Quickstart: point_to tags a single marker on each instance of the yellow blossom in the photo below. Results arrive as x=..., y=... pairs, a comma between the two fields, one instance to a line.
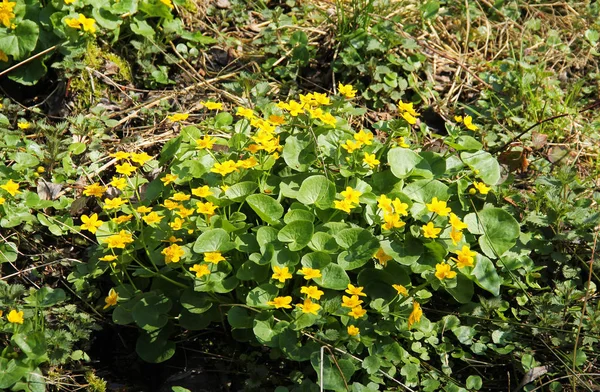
x=277, y=120
x=443, y=271
x=172, y=239
x=224, y=168
x=328, y=119
x=200, y=270
x=351, y=195
x=120, y=155
x=119, y=240
x=401, y=142
x=88, y=24
x=399, y=207
x=281, y=274
x=2, y=200
x=456, y=223
x=6, y=12
x=371, y=160
x=245, y=112
x=415, y=315
x=3, y=58
x=400, y=289
x=355, y=290
x=202, y=191
x=295, y=108
x=311, y=292
x=23, y=124
x=184, y=212
x=178, y=117
x=125, y=169
x=281, y=302
x=247, y=163
x=180, y=196
x=456, y=236
x=392, y=221
x=207, y=208
x=481, y=187
x=352, y=330
x=212, y=105
x=152, y=218
x=140, y=158
x=122, y=219
x=407, y=108
x=465, y=257
x=458, y=119
x=169, y=178
x=91, y=223
x=171, y=205
x=347, y=90
x=357, y=312
x=385, y=203
x=351, y=146
x=72, y=23
x=364, y=137
x=439, y=207
x=112, y=204
x=177, y=224
x=10, y=186
x=119, y=182
x=351, y=302
x=468, y=121
x=310, y=273
x=213, y=257
x=206, y=143
x=344, y=205
x=168, y=3
x=111, y=299
x=382, y=257
x=173, y=253
x=143, y=209
x=409, y=118
x=430, y=231
x=309, y=307
x=14, y=316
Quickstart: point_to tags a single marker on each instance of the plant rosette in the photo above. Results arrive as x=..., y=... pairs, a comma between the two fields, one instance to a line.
x=304, y=231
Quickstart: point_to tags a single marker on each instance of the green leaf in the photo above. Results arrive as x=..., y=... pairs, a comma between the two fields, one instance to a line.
x=333, y=379
x=485, y=275
x=150, y=312
x=267, y=208
x=32, y=344
x=371, y=364
x=195, y=302
x=499, y=228
x=12, y=372
x=485, y=163
x=360, y=246
x=239, y=191
x=154, y=347
x=463, y=291
x=267, y=331
x=238, y=317
x=8, y=252
x=317, y=190
x=466, y=143
x=323, y=242
x=141, y=27
x=21, y=41
x=106, y=19
x=259, y=296
x=474, y=382
x=298, y=153
x=425, y=190
x=297, y=234
x=333, y=277
x=198, y=37
x=404, y=252
x=405, y=162
x=214, y=240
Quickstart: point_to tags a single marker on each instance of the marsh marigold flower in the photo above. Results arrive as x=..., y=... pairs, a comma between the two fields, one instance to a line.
x=444, y=271
x=355, y=290
x=125, y=169
x=351, y=302
x=311, y=292
x=351, y=195
x=364, y=137
x=309, y=307
x=224, y=168
x=401, y=290
x=207, y=208
x=152, y=218
x=346, y=90
x=200, y=270
x=481, y=187
x=140, y=158
x=122, y=219
x=310, y=273
x=281, y=302
x=23, y=124
x=382, y=257
x=371, y=160
x=456, y=236
x=352, y=330
x=465, y=257
x=430, y=231
x=119, y=182
x=112, y=204
x=15, y=317
x=173, y=253
x=213, y=257
x=120, y=240
x=169, y=178
x=468, y=121
x=357, y=312
x=178, y=117
x=11, y=187
x=120, y=155
x=281, y=274
x=456, y=223
x=351, y=145
x=212, y=105
x=6, y=12
x=245, y=112
x=206, y=143
x=111, y=299
x=95, y=190
x=415, y=315
x=91, y=223
x=344, y=205
x=202, y=191
x=392, y=221
x=108, y=258
x=439, y=207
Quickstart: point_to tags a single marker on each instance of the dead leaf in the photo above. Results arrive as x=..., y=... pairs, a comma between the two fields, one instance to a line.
x=538, y=140
x=48, y=190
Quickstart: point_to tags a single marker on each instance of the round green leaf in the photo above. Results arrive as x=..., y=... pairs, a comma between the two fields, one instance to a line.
x=425, y=190
x=474, y=382
x=214, y=240
x=21, y=41
x=239, y=317
x=404, y=163
x=259, y=296
x=333, y=277
x=360, y=246
x=485, y=163
x=463, y=291
x=317, y=190
x=267, y=208
x=194, y=302
x=154, y=349
x=499, y=228
x=297, y=234
x=298, y=153
x=323, y=242
x=150, y=312
x=485, y=275
x=238, y=192
x=404, y=252
x=332, y=378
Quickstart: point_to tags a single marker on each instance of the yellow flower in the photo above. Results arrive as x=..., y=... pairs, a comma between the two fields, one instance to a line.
x=140, y=158
x=206, y=143
x=178, y=117
x=311, y=292
x=3, y=58
x=177, y=224
x=214, y=257
x=119, y=240
x=2, y=200
x=207, y=208
x=294, y=108
x=281, y=302
x=202, y=191
x=430, y=231
x=125, y=169
x=96, y=190
x=168, y=3
x=399, y=207
x=169, y=178
x=245, y=112
x=119, y=182
x=281, y=274
x=309, y=307
x=343, y=205
x=439, y=207
x=277, y=120
x=357, y=312
x=143, y=209
x=310, y=273
x=415, y=315
x=401, y=290
x=180, y=196
x=443, y=271
x=401, y=142
x=321, y=99
x=172, y=239
x=382, y=257
x=152, y=218
x=184, y=212
x=6, y=12
x=108, y=258
x=224, y=168
x=351, y=195
x=72, y=23
x=88, y=24
x=347, y=90
x=91, y=223
x=456, y=223
x=14, y=316
x=407, y=108
x=355, y=290
x=328, y=119
x=351, y=302
x=385, y=203
x=371, y=160
x=364, y=137
x=122, y=219
x=351, y=146
x=458, y=119
x=481, y=187
x=11, y=186
x=456, y=236
x=247, y=163
x=112, y=204
x=469, y=123
x=200, y=270
x=171, y=205
x=409, y=118
x=212, y=105
x=111, y=299
x=392, y=221
x=352, y=330
x=120, y=155
x=173, y=253
x=465, y=257
x=23, y=124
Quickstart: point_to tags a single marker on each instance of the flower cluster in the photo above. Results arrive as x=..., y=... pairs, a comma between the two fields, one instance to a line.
x=81, y=22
